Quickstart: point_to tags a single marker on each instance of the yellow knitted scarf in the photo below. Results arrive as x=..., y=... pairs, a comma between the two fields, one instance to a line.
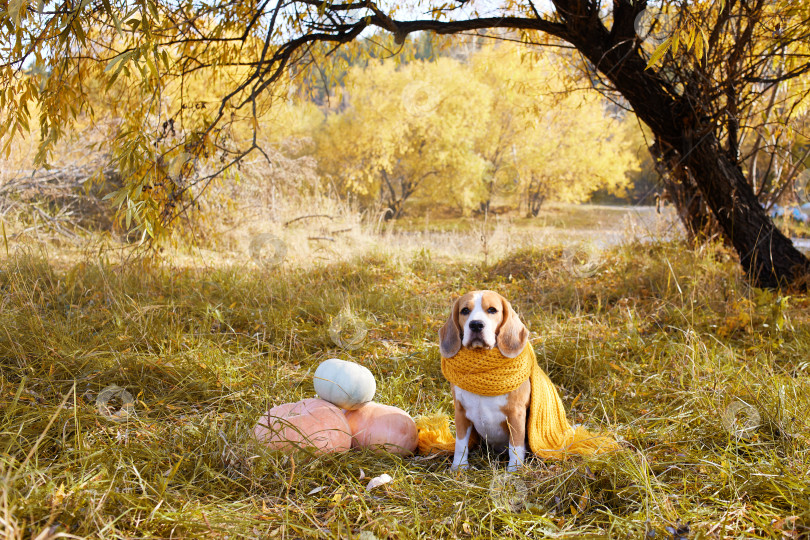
x=487, y=372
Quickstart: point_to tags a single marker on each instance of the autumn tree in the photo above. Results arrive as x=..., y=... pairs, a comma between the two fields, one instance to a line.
x=499, y=125
x=533, y=144
x=751, y=85
x=693, y=90
x=406, y=132
x=547, y=138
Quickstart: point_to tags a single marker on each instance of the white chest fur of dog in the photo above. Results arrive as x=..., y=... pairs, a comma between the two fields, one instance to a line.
x=486, y=414
x=483, y=320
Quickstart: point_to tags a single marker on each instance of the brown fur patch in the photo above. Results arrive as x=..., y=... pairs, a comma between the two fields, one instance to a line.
x=516, y=411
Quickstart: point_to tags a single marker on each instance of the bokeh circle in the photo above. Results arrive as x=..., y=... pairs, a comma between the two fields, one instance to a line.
x=109, y=393
x=508, y=492
x=741, y=419
x=419, y=98
x=653, y=26
x=582, y=260
x=267, y=249
x=348, y=331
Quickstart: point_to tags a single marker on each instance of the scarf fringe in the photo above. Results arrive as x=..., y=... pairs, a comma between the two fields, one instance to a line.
x=550, y=434
x=435, y=436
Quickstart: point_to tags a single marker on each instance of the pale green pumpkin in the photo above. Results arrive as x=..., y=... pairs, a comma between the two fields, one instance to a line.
x=346, y=384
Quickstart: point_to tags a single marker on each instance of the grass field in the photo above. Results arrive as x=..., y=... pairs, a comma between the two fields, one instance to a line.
x=703, y=379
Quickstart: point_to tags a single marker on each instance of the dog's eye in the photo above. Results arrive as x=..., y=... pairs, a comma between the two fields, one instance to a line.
x=465, y=311
x=492, y=310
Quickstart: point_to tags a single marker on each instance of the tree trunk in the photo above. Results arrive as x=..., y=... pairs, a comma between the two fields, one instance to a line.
x=682, y=191
x=768, y=257
x=534, y=196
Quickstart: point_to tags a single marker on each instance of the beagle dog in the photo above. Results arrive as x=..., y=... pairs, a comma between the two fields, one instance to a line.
x=485, y=319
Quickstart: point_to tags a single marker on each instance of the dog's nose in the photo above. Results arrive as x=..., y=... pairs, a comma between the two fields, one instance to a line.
x=476, y=326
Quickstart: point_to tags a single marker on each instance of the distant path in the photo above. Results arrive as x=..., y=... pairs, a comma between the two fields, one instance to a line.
x=606, y=226
x=665, y=225
x=802, y=244
x=601, y=226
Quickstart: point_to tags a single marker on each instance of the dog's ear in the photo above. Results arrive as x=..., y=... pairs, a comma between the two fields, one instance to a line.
x=450, y=334
x=512, y=334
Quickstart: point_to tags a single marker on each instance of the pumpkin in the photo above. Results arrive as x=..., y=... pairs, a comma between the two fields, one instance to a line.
x=309, y=423
x=383, y=427
x=346, y=384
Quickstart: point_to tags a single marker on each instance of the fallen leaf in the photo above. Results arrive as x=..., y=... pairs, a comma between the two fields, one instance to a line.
x=378, y=481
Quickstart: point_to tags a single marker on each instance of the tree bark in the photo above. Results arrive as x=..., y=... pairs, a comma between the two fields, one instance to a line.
x=683, y=192
x=767, y=256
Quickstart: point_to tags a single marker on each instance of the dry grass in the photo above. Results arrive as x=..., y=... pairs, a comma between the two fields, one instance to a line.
x=703, y=378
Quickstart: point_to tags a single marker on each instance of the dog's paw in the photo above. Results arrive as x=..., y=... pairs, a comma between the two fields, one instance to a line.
x=460, y=466
x=514, y=467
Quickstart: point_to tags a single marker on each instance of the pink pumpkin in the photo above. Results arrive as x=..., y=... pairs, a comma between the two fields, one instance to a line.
x=383, y=427
x=309, y=423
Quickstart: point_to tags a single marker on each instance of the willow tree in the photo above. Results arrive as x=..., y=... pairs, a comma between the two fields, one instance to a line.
x=466, y=133
x=388, y=150
x=713, y=66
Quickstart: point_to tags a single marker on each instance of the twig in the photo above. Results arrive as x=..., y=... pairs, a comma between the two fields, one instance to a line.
x=299, y=218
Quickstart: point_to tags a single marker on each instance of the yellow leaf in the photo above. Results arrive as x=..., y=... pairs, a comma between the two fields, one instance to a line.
x=15, y=9
x=699, y=45
x=659, y=52
x=59, y=495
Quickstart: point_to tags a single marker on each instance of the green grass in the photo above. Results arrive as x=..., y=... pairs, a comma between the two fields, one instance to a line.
x=667, y=348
